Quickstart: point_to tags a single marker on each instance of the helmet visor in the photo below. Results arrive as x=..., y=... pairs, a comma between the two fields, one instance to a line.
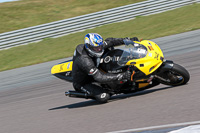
x=96, y=49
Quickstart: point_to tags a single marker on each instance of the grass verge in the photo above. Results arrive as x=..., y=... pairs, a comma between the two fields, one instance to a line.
x=26, y=13
x=148, y=27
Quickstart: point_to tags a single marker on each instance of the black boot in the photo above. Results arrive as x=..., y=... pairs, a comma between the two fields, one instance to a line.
x=102, y=97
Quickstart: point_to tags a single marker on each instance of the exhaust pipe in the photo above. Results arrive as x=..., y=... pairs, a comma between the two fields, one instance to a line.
x=76, y=94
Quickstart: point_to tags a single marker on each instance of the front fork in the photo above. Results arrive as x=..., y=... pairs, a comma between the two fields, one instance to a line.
x=160, y=78
x=166, y=66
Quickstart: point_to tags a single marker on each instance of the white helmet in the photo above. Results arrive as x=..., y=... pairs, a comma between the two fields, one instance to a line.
x=94, y=44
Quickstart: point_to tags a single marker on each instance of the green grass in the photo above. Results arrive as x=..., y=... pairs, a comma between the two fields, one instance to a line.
x=26, y=13
x=147, y=27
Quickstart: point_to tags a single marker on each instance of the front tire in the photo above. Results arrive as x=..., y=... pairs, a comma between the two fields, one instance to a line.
x=178, y=75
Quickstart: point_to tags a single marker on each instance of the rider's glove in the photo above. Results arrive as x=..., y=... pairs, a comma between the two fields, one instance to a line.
x=127, y=38
x=134, y=39
x=124, y=76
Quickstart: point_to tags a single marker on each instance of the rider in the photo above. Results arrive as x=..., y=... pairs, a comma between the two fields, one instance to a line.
x=85, y=70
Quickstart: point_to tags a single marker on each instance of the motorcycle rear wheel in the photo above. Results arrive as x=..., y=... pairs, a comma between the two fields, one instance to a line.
x=178, y=75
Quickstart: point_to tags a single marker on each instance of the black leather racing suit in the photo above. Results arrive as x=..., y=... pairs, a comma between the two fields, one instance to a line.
x=85, y=70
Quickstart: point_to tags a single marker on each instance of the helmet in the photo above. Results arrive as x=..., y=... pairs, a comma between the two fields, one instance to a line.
x=94, y=44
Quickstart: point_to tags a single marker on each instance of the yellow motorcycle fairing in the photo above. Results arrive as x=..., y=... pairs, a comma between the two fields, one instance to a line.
x=153, y=59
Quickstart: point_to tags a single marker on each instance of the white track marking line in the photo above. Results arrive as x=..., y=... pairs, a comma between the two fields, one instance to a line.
x=157, y=127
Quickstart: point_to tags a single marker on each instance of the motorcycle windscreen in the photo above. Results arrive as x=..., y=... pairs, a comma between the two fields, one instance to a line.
x=132, y=51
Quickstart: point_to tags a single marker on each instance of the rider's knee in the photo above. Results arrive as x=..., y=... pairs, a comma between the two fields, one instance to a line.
x=102, y=97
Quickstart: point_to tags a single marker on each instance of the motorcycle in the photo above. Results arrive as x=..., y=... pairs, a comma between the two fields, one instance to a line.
x=143, y=58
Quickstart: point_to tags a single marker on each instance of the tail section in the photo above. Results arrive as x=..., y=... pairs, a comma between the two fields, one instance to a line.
x=63, y=70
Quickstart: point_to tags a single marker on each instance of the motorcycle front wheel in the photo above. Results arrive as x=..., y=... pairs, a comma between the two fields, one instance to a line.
x=176, y=76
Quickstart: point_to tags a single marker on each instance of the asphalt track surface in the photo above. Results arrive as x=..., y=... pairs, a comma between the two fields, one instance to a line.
x=33, y=101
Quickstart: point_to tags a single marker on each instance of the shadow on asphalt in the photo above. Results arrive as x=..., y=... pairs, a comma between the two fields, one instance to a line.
x=77, y=105
x=113, y=98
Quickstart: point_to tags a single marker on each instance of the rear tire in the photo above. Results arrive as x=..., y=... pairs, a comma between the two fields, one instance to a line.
x=178, y=75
